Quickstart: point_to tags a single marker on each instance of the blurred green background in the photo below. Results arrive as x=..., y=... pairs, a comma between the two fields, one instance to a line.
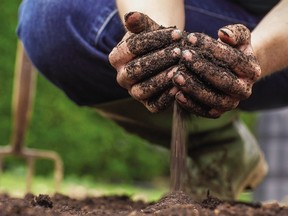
x=88, y=144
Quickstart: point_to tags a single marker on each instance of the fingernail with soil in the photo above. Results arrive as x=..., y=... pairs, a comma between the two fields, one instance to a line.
x=127, y=15
x=227, y=32
x=173, y=91
x=178, y=79
x=176, y=51
x=177, y=34
x=187, y=55
x=172, y=72
x=135, y=22
x=192, y=38
x=181, y=98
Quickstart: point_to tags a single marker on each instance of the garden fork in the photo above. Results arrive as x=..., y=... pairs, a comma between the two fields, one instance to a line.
x=23, y=94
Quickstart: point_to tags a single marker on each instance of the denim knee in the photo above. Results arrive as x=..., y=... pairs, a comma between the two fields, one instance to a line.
x=60, y=38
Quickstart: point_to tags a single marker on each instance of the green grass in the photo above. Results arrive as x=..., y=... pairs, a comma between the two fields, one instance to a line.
x=14, y=183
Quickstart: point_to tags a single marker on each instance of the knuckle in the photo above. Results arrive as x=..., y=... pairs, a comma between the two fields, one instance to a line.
x=200, y=110
x=224, y=103
x=245, y=94
x=229, y=104
x=248, y=90
x=257, y=72
x=137, y=93
x=214, y=113
x=122, y=78
x=242, y=27
x=134, y=69
x=112, y=58
x=120, y=81
x=241, y=92
x=151, y=107
x=148, y=41
x=161, y=103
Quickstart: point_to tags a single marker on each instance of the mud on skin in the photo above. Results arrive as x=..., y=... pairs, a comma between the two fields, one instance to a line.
x=204, y=67
x=139, y=45
x=224, y=74
x=147, y=65
x=151, y=64
x=160, y=102
x=137, y=22
x=231, y=36
x=211, y=66
x=234, y=57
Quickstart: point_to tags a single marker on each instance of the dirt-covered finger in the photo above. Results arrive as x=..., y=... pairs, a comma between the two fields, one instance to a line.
x=147, y=66
x=235, y=35
x=196, y=108
x=219, y=77
x=190, y=85
x=153, y=85
x=137, y=22
x=241, y=64
x=139, y=44
x=162, y=101
x=120, y=54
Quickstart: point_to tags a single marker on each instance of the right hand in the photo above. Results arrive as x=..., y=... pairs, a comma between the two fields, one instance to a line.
x=217, y=74
x=146, y=59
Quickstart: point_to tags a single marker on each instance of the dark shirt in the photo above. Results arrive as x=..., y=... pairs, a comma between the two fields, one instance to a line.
x=257, y=6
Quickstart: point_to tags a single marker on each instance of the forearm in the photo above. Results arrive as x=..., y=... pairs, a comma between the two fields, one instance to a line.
x=270, y=40
x=166, y=13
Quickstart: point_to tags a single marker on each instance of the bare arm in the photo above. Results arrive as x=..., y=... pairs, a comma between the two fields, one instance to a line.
x=160, y=10
x=194, y=92
x=269, y=40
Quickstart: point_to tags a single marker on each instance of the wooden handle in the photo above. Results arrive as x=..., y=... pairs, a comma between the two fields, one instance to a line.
x=23, y=94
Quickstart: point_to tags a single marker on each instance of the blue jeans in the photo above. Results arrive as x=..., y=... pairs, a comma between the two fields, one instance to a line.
x=69, y=43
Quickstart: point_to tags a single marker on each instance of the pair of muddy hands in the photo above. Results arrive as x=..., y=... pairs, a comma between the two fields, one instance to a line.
x=207, y=77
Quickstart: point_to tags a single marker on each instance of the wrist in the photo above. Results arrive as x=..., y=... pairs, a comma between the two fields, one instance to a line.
x=269, y=40
x=163, y=12
x=271, y=52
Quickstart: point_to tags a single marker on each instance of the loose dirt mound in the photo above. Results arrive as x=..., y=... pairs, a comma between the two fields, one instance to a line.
x=176, y=204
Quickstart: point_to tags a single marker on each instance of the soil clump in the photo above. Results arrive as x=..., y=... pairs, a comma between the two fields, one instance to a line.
x=176, y=204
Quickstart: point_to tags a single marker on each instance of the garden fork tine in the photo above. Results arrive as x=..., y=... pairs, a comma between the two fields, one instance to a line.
x=23, y=94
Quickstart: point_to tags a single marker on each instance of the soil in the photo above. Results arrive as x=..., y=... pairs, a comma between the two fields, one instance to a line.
x=176, y=204
x=173, y=204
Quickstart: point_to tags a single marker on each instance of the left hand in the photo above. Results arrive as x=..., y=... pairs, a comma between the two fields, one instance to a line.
x=146, y=60
x=216, y=74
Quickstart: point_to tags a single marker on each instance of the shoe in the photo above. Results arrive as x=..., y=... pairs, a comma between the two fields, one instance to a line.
x=224, y=163
x=224, y=157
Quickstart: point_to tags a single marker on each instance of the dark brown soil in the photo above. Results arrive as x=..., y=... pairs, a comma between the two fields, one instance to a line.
x=176, y=204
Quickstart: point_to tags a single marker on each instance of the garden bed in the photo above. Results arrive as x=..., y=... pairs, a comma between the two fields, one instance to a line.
x=176, y=204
